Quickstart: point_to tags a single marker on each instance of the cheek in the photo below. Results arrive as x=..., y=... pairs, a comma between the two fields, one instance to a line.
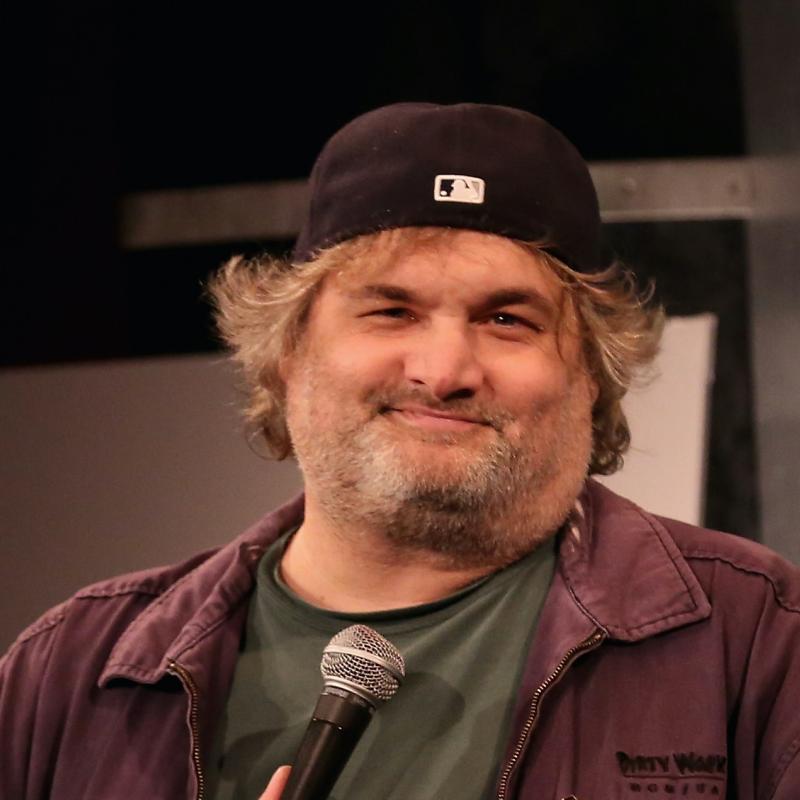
x=548, y=400
x=536, y=388
x=358, y=368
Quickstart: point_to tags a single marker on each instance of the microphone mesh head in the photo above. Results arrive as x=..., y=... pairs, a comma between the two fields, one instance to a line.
x=360, y=659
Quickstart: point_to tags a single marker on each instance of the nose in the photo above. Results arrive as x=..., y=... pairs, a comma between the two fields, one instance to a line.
x=444, y=359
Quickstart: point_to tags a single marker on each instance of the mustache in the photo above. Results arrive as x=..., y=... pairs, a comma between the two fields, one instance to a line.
x=386, y=400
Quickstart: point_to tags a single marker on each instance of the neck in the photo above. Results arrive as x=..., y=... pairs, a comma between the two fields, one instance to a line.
x=358, y=570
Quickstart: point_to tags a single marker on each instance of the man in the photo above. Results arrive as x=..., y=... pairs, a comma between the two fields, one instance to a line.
x=445, y=356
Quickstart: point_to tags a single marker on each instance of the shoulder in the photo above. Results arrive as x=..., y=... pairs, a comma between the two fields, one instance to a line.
x=747, y=647
x=158, y=602
x=711, y=553
x=101, y=610
x=755, y=600
x=719, y=560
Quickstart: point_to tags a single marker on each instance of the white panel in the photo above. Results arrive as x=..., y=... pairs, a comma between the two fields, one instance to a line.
x=665, y=468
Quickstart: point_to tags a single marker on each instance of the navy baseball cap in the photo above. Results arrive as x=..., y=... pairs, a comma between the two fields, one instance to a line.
x=487, y=168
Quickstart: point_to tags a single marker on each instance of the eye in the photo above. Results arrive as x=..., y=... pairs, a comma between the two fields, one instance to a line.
x=505, y=319
x=395, y=312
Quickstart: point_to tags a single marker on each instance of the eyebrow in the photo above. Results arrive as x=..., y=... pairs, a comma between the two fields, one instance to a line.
x=513, y=296
x=509, y=296
x=384, y=291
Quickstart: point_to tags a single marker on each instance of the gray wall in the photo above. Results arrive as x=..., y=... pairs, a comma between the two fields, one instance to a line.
x=111, y=467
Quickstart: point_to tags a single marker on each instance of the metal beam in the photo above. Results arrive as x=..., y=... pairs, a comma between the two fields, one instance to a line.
x=175, y=217
x=670, y=189
x=629, y=191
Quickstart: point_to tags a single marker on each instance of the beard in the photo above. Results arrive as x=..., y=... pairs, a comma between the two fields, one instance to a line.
x=483, y=497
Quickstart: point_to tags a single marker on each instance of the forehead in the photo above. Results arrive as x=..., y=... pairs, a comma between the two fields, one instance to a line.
x=457, y=262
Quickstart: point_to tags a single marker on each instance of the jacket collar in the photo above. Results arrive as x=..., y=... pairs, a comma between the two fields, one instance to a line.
x=625, y=571
x=619, y=564
x=197, y=599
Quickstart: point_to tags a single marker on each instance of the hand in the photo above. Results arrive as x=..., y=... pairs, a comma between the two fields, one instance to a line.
x=276, y=784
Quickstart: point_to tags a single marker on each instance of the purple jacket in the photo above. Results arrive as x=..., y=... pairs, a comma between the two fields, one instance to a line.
x=666, y=664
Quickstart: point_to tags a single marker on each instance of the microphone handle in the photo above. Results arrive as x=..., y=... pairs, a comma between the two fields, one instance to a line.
x=336, y=726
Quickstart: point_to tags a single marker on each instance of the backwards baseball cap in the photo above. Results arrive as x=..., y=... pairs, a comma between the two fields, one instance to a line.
x=486, y=168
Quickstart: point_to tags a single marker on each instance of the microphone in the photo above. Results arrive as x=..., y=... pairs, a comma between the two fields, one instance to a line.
x=361, y=670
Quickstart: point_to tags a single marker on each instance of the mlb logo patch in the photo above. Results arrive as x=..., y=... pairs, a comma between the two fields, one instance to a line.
x=458, y=189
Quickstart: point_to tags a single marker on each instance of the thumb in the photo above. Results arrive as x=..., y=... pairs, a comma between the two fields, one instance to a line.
x=276, y=784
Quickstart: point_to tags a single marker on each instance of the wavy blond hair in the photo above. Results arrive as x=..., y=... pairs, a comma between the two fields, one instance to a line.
x=261, y=306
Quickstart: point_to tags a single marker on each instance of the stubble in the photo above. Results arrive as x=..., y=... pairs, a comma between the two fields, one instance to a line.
x=480, y=498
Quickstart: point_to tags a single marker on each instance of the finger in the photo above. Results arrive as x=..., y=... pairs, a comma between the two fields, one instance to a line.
x=277, y=783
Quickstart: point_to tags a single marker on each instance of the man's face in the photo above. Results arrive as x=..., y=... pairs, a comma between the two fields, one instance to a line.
x=442, y=400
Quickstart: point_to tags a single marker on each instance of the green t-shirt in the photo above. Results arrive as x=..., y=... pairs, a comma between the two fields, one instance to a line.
x=444, y=733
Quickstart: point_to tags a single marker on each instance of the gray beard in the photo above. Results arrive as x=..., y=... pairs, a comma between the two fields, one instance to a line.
x=496, y=509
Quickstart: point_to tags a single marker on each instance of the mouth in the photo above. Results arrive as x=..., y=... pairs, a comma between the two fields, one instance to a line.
x=430, y=419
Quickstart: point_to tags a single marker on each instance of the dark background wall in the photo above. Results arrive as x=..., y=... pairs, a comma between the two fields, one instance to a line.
x=107, y=103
